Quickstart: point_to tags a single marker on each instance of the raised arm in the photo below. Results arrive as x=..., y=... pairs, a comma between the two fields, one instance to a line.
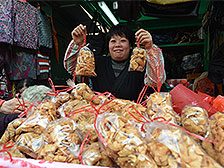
x=70, y=57
x=155, y=70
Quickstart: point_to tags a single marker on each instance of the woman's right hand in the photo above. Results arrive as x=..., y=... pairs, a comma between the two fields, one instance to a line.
x=78, y=34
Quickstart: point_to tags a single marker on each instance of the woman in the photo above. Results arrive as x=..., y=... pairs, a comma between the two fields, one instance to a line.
x=112, y=72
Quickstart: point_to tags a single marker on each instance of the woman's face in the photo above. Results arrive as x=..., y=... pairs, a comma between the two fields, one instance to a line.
x=119, y=48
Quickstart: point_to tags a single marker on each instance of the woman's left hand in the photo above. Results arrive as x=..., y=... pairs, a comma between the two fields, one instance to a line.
x=144, y=37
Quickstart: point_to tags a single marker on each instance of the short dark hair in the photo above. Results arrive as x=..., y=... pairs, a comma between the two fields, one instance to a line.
x=121, y=30
x=25, y=82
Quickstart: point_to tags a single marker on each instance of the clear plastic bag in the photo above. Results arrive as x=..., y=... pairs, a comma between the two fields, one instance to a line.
x=61, y=142
x=94, y=155
x=161, y=105
x=124, y=142
x=195, y=120
x=85, y=63
x=170, y=146
x=61, y=98
x=138, y=59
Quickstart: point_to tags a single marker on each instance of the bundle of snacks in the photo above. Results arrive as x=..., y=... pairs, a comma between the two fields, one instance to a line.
x=161, y=104
x=61, y=142
x=138, y=59
x=29, y=144
x=170, y=146
x=61, y=98
x=39, y=119
x=85, y=62
x=83, y=92
x=10, y=132
x=94, y=155
x=124, y=143
x=68, y=107
x=216, y=150
x=195, y=120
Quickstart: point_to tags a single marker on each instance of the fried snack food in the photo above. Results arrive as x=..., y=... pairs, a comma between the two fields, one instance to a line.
x=216, y=150
x=83, y=92
x=61, y=98
x=161, y=104
x=70, y=106
x=138, y=59
x=195, y=120
x=124, y=143
x=38, y=121
x=171, y=147
x=29, y=144
x=14, y=151
x=85, y=63
x=10, y=132
x=94, y=155
x=61, y=142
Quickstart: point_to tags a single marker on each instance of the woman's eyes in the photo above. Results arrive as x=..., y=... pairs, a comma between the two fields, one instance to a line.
x=121, y=40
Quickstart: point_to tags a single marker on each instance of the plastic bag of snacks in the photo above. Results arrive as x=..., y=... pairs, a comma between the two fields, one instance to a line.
x=94, y=155
x=123, y=142
x=85, y=63
x=195, y=120
x=10, y=132
x=170, y=146
x=28, y=134
x=138, y=59
x=61, y=142
x=61, y=98
x=216, y=133
x=161, y=105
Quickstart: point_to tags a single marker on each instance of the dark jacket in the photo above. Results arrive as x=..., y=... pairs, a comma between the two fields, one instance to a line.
x=127, y=85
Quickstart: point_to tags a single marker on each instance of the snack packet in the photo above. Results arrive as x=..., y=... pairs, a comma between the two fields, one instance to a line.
x=138, y=59
x=85, y=62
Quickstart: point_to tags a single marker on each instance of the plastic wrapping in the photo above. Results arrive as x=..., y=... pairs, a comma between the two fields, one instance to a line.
x=155, y=71
x=38, y=121
x=10, y=132
x=61, y=98
x=85, y=62
x=36, y=93
x=29, y=144
x=216, y=150
x=195, y=120
x=83, y=92
x=61, y=142
x=161, y=105
x=14, y=152
x=138, y=59
x=170, y=146
x=95, y=155
x=124, y=143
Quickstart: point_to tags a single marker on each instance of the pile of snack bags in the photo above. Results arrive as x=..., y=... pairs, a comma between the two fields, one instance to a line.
x=96, y=129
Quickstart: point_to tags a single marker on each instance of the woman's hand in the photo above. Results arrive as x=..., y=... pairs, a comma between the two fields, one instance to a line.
x=144, y=37
x=78, y=34
x=8, y=106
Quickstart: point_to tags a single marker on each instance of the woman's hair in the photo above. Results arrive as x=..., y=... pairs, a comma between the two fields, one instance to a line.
x=121, y=30
x=25, y=83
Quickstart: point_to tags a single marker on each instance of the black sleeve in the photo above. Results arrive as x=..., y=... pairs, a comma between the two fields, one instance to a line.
x=5, y=120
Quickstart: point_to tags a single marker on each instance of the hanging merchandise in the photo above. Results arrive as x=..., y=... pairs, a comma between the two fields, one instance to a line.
x=45, y=32
x=23, y=65
x=6, y=24
x=55, y=39
x=25, y=26
x=5, y=83
x=44, y=65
